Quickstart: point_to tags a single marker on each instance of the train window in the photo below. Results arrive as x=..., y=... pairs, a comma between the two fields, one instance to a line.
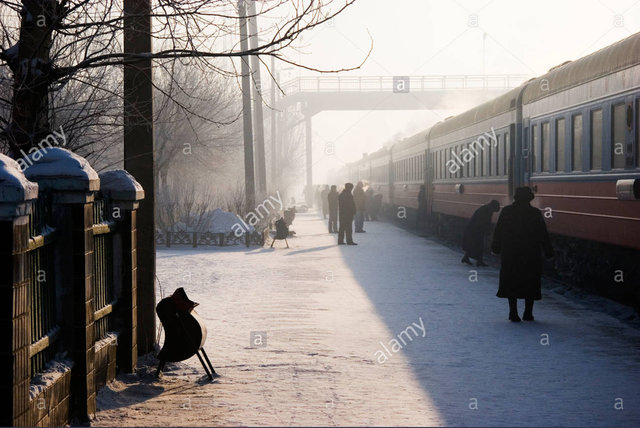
x=478, y=160
x=486, y=159
x=500, y=155
x=596, y=139
x=507, y=153
x=545, y=152
x=494, y=156
x=534, y=146
x=618, y=152
x=560, y=148
x=576, y=143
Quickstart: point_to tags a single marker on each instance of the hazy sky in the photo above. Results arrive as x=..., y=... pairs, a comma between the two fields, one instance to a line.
x=427, y=37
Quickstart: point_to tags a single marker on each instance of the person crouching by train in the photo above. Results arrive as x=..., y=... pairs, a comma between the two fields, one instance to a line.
x=361, y=201
x=474, y=232
x=346, y=211
x=520, y=237
x=332, y=199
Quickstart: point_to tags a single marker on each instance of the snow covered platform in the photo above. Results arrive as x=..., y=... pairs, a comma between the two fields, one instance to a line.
x=394, y=331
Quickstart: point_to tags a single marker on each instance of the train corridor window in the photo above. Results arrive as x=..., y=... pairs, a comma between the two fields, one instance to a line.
x=478, y=160
x=534, y=147
x=500, y=155
x=618, y=144
x=546, y=151
x=560, y=145
x=486, y=160
x=494, y=157
x=576, y=143
x=596, y=139
x=507, y=153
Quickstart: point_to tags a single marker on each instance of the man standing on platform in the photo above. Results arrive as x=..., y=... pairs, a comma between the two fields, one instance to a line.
x=325, y=201
x=332, y=199
x=346, y=211
x=360, y=200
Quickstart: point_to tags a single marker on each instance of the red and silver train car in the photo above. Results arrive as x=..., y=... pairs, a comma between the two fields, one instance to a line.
x=581, y=137
x=408, y=159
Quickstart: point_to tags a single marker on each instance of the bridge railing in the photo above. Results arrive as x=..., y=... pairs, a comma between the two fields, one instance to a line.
x=410, y=83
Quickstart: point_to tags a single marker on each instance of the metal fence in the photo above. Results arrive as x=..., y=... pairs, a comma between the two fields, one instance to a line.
x=103, y=293
x=199, y=239
x=42, y=297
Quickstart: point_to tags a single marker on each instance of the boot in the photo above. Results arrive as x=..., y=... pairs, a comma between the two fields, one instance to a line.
x=528, y=310
x=513, y=310
x=466, y=260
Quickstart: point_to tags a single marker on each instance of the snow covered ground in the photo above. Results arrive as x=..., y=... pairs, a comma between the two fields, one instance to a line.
x=339, y=350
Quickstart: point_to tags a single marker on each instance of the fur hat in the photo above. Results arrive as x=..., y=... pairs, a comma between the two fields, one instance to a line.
x=523, y=194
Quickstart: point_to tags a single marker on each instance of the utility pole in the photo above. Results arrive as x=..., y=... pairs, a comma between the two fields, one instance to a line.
x=257, y=100
x=249, y=180
x=274, y=143
x=139, y=159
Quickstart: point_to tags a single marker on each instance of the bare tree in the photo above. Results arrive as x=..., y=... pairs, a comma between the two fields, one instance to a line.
x=47, y=45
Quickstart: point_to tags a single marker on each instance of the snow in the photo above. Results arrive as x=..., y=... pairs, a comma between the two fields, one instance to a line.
x=223, y=222
x=14, y=186
x=54, y=370
x=120, y=185
x=328, y=309
x=61, y=169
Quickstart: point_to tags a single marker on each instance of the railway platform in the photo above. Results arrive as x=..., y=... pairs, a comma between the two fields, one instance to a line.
x=394, y=331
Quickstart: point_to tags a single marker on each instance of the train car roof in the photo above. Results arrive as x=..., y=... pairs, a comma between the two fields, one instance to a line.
x=411, y=141
x=492, y=108
x=610, y=59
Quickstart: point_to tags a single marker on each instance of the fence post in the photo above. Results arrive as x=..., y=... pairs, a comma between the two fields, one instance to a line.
x=16, y=194
x=72, y=184
x=124, y=193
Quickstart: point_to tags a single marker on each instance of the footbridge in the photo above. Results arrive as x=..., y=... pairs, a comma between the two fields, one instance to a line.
x=312, y=95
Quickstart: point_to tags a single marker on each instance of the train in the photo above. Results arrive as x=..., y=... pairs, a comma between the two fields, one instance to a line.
x=572, y=135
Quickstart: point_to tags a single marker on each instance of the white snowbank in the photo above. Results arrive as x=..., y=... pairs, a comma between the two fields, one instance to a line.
x=223, y=222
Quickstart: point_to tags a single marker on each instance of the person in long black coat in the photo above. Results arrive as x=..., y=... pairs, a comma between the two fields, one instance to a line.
x=346, y=211
x=520, y=237
x=474, y=232
x=332, y=199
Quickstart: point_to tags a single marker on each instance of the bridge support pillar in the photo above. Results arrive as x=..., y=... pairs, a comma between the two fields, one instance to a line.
x=308, y=150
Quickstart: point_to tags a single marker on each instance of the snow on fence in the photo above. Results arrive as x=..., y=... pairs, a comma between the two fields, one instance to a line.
x=67, y=251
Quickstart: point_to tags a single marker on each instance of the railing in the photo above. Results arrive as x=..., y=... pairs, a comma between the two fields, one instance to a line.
x=196, y=239
x=44, y=328
x=103, y=293
x=414, y=83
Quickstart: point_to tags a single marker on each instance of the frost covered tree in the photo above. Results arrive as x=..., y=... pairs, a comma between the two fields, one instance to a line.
x=49, y=45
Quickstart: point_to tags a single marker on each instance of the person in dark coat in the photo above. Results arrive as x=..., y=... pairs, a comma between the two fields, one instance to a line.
x=520, y=237
x=360, y=200
x=377, y=204
x=325, y=202
x=368, y=204
x=474, y=232
x=332, y=199
x=422, y=206
x=346, y=211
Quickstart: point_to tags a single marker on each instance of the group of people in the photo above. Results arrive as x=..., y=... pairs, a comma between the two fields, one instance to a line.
x=519, y=237
x=346, y=208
